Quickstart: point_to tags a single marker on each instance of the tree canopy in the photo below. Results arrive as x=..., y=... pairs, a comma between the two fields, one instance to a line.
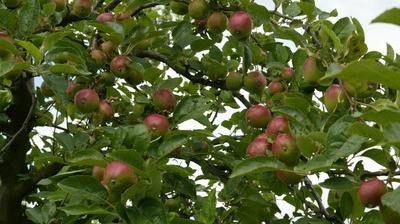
x=94, y=96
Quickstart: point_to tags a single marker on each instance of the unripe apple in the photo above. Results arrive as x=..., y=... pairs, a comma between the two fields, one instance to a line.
x=99, y=56
x=173, y=204
x=332, y=97
x=288, y=177
x=157, y=124
x=257, y=148
x=82, y=8
x=255, y=82
x=120, y=66
x=217, y=22
x=107, y=78
x=107, y=47
x=86, y=100
x=105, y=17
x=258, y=116
x=199, y=145
x=46, y=91
x=98, y=172
x=72, y=88
x=234, y=81
x=123, y=16
x=275, y=87
x=240, y=25
x=60, y=5
x=164, y=99
x=105, y=110
x=118, y=176
x=287, y=73
x=388, y=215
x=284, y=149
x=198, y=9
x=311, y=71
x=371, y=191
x=12, y=4
x=179, y=7
x=355, y=88
x=277, y=125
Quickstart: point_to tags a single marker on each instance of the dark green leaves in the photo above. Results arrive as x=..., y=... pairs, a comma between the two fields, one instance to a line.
x=256, y=165
x=28, y=18
x=84, y=186
x=391, y=200
x=391, y=16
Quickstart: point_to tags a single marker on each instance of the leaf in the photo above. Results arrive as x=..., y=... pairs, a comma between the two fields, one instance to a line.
x=87, y=157
x=68, y=69
x=391, y=200
x=130, y=157
x=208, y=208
x=346, y=204
x=391, y=16
x=84, y=186
x=370, y=70
x=380, y=156
x=153, y=210
x=190, y=108
x=201, y=44
x=8, y=20
x=32, y=50
x=170, y=83
x=170, y=145
x=180, y=184
x=259, y=13
x=392, y=132
x=58, y=85
x=362, y=129
x=28, y=17
x=256, y=165
x=339, y=183
x=85, y=210
x=137, y=137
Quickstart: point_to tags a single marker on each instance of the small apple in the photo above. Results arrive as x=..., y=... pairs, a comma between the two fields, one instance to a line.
x=105, y=17
x=107, y=47
x=99, y=56
x=82, y=8
x=287, y=73
x=288, y=177
x=371, y=191
x=164, y=99
x=275, y=87
x=60, y=5
x=258, y=116
x=332, y=97
x=123, y=16
x=217, y=22
x=311, y=70
x=120, y=66
x=72, y=88
x=98, y=172
x=234, y=81
x=240, y=25
x=198, y=9
x=284, y=149
x=118, y=176
x=278, y=124
x=86, y=100
x=158, y=124
x=257, y=148
x=105, y=110
x=254, y=82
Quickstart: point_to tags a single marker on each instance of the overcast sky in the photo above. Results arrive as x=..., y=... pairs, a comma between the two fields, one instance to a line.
x=377, y=34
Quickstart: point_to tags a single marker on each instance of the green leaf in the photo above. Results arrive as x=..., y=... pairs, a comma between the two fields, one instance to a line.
x=153, y=210
x=201, y=45
x=259, y=13
x=68, y=69
x=130, y=157
x=33, y=50
x=256, y=165
x=208, y=208
x=346, y=204
x=180, y=184
x=170, y=145
x=380, y=156
x=362, y=129
x=190, y=108
x=392, y=132
x=391, y=200
x=339, y=183
x=85, y=210
x=391, y=16
x=170, y=83
x=87, y=157
x=8, y=20
x=28, y=17
x=58, y=85
x=370, y=70
x=137, y=137
x=84, y=186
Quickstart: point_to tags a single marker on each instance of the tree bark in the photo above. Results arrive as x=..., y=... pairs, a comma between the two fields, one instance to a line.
x=13, y=165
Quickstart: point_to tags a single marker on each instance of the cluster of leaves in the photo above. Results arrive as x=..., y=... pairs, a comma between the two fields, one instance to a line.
x=55, y=46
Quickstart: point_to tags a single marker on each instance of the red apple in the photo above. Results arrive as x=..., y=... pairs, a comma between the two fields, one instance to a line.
x=72, y=88
x=118, y=176
x=123, y=16
x=86, y=100
x=164, y=99
x=311, y=71
x=120, y=66
x=98, y=172
x=278, y=124
x=332, y=97
x=255, y=82
x=275, y=87
x=284, y=149
x=240, y=25
x=257, y=148
x=106, y=111
x=157, y=124
x=105, y=17
x=287, y=73
x=371, y=191
x=258, y=116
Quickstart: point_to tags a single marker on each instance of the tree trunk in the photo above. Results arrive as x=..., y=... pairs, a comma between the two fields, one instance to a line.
x=13, y=166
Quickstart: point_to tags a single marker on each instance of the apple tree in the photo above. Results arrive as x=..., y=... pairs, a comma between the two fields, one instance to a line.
x=195, y=112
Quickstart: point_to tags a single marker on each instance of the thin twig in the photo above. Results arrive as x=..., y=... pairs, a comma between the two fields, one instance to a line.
x=26, y=121
x=138, y=10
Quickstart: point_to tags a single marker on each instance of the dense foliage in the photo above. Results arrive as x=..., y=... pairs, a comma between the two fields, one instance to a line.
x=94, y=97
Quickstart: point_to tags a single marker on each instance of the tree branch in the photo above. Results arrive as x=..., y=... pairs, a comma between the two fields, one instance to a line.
x=138, y=10
x=318, y=199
